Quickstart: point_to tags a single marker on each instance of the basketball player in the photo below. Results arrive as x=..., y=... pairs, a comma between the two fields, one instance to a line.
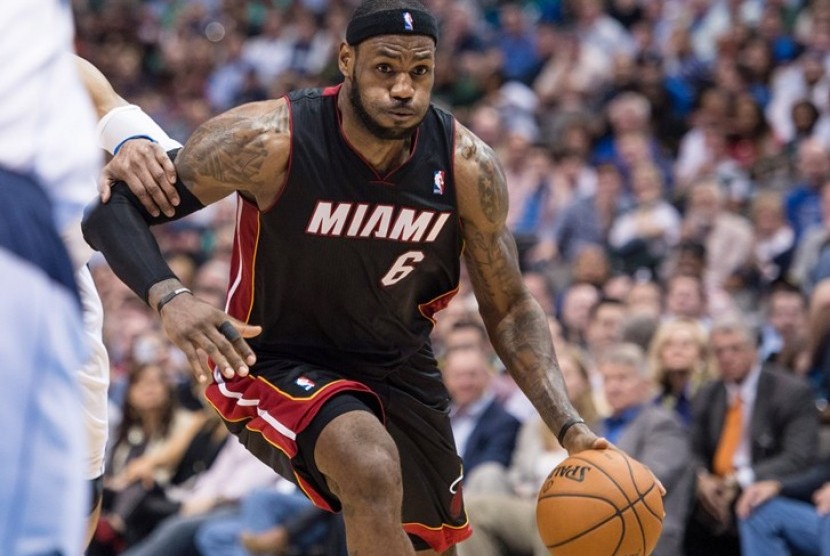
x=48, y=166
x=354, y=205
x=151, y=177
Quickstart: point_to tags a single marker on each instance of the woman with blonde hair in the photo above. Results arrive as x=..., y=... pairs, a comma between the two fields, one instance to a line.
x=680, y=361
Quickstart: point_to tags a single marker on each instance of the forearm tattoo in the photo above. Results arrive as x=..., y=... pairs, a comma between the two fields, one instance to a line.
x=517, y=325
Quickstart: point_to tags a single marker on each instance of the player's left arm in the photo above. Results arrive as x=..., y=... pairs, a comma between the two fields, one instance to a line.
x=515, y=321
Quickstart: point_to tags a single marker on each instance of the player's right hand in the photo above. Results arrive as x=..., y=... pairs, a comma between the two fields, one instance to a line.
x=194, y=326
x=147, y=171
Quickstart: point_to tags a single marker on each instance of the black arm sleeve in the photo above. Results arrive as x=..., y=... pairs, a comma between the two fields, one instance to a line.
x=120, y=229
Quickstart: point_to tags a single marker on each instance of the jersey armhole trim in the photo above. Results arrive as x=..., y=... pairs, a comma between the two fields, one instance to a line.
x=290, y=157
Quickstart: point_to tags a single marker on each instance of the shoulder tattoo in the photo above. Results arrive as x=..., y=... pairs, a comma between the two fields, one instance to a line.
x=490, y=179
x=232, y=148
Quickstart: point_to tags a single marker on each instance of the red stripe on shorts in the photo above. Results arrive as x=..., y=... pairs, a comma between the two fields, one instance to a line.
x=276, y=415
x=439, y=538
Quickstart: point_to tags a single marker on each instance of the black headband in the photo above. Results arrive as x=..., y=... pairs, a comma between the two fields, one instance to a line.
x=391, y=22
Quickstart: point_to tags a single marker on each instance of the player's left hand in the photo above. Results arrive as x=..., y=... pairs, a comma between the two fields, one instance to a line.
x=199, y=329
x=147, y=171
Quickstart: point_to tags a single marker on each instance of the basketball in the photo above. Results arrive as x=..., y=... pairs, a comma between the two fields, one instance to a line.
x=600, y=503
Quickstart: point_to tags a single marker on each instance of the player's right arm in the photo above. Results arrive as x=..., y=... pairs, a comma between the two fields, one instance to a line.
x=244, y=150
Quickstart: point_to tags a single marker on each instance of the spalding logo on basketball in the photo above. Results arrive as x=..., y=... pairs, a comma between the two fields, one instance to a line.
x=600, y=503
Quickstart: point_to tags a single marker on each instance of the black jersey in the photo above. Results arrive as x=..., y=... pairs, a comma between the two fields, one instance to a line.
x=348, y=267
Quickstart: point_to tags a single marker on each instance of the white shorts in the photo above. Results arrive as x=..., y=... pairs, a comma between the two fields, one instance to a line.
x=94, y=376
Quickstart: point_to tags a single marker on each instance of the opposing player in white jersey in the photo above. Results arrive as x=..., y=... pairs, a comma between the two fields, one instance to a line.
x=48, y=164
x=152, y=178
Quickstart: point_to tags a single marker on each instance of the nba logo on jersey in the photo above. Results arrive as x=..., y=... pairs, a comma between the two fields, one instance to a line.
x=438, y=182
x=305, y=383
x=408, y=24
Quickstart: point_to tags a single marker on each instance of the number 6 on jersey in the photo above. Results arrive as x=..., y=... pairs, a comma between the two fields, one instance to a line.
x=402, y=266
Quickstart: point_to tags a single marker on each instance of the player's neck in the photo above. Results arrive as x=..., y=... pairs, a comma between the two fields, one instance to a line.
x=383, y=155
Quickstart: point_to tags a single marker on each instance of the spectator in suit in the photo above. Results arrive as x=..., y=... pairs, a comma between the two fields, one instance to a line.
x=752, y=424
x=485, y=434
x=787, y=516
x=649, y=433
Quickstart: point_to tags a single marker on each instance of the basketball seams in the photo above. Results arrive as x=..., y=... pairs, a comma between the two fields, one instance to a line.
x=642, y=495
x=617, y=513
x=641, y=498
x=645, y=503
x=579, y=541
x=604, y=472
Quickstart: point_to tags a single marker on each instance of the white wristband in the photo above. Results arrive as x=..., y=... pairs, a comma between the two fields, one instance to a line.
x=124, y=122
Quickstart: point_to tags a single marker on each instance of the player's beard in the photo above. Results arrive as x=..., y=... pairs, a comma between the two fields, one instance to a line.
x=371, y=124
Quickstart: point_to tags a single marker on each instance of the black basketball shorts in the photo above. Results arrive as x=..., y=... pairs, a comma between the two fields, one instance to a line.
x=278, y=411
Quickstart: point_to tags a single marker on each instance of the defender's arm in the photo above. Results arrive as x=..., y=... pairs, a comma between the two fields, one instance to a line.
x=245, y=150
x=147, y=170
x=515, y=321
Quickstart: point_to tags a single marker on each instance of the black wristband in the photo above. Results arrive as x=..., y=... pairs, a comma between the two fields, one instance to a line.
x=169, y=297
x=565, y=427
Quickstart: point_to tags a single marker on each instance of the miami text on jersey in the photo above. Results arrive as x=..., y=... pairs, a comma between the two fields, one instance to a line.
x=362, y=220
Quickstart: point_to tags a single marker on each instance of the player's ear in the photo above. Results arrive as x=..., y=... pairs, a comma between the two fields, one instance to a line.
x=345, y=59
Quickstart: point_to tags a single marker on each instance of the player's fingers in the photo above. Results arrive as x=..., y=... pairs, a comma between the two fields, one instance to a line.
x=169, y=172
x=601, y=444
x=242, y=355
x=245, y=331
x=104, y=187
x=154, y=180
x=196, y=365
x=164, y=180
x=659, y=484
x=140, y=181
x=223, y=353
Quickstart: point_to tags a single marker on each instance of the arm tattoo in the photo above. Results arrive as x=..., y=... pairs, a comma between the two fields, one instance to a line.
x=487, y=191
x=492, y=184
x=231, y=148
x=489, y=256
x=517, y=325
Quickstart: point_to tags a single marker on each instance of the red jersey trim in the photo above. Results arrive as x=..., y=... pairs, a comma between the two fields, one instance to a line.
x=243, y=260
x=431, y=307
x=307, y=489
x=440, y=538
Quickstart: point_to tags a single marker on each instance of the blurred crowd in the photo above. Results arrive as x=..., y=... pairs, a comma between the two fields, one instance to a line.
x=668, y=165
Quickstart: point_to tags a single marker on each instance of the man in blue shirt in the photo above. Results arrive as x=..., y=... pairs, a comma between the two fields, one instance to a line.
x=648, y=433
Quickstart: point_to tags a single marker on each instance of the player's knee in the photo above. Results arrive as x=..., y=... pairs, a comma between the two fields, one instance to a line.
x=374, y=475
x=359, y=459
